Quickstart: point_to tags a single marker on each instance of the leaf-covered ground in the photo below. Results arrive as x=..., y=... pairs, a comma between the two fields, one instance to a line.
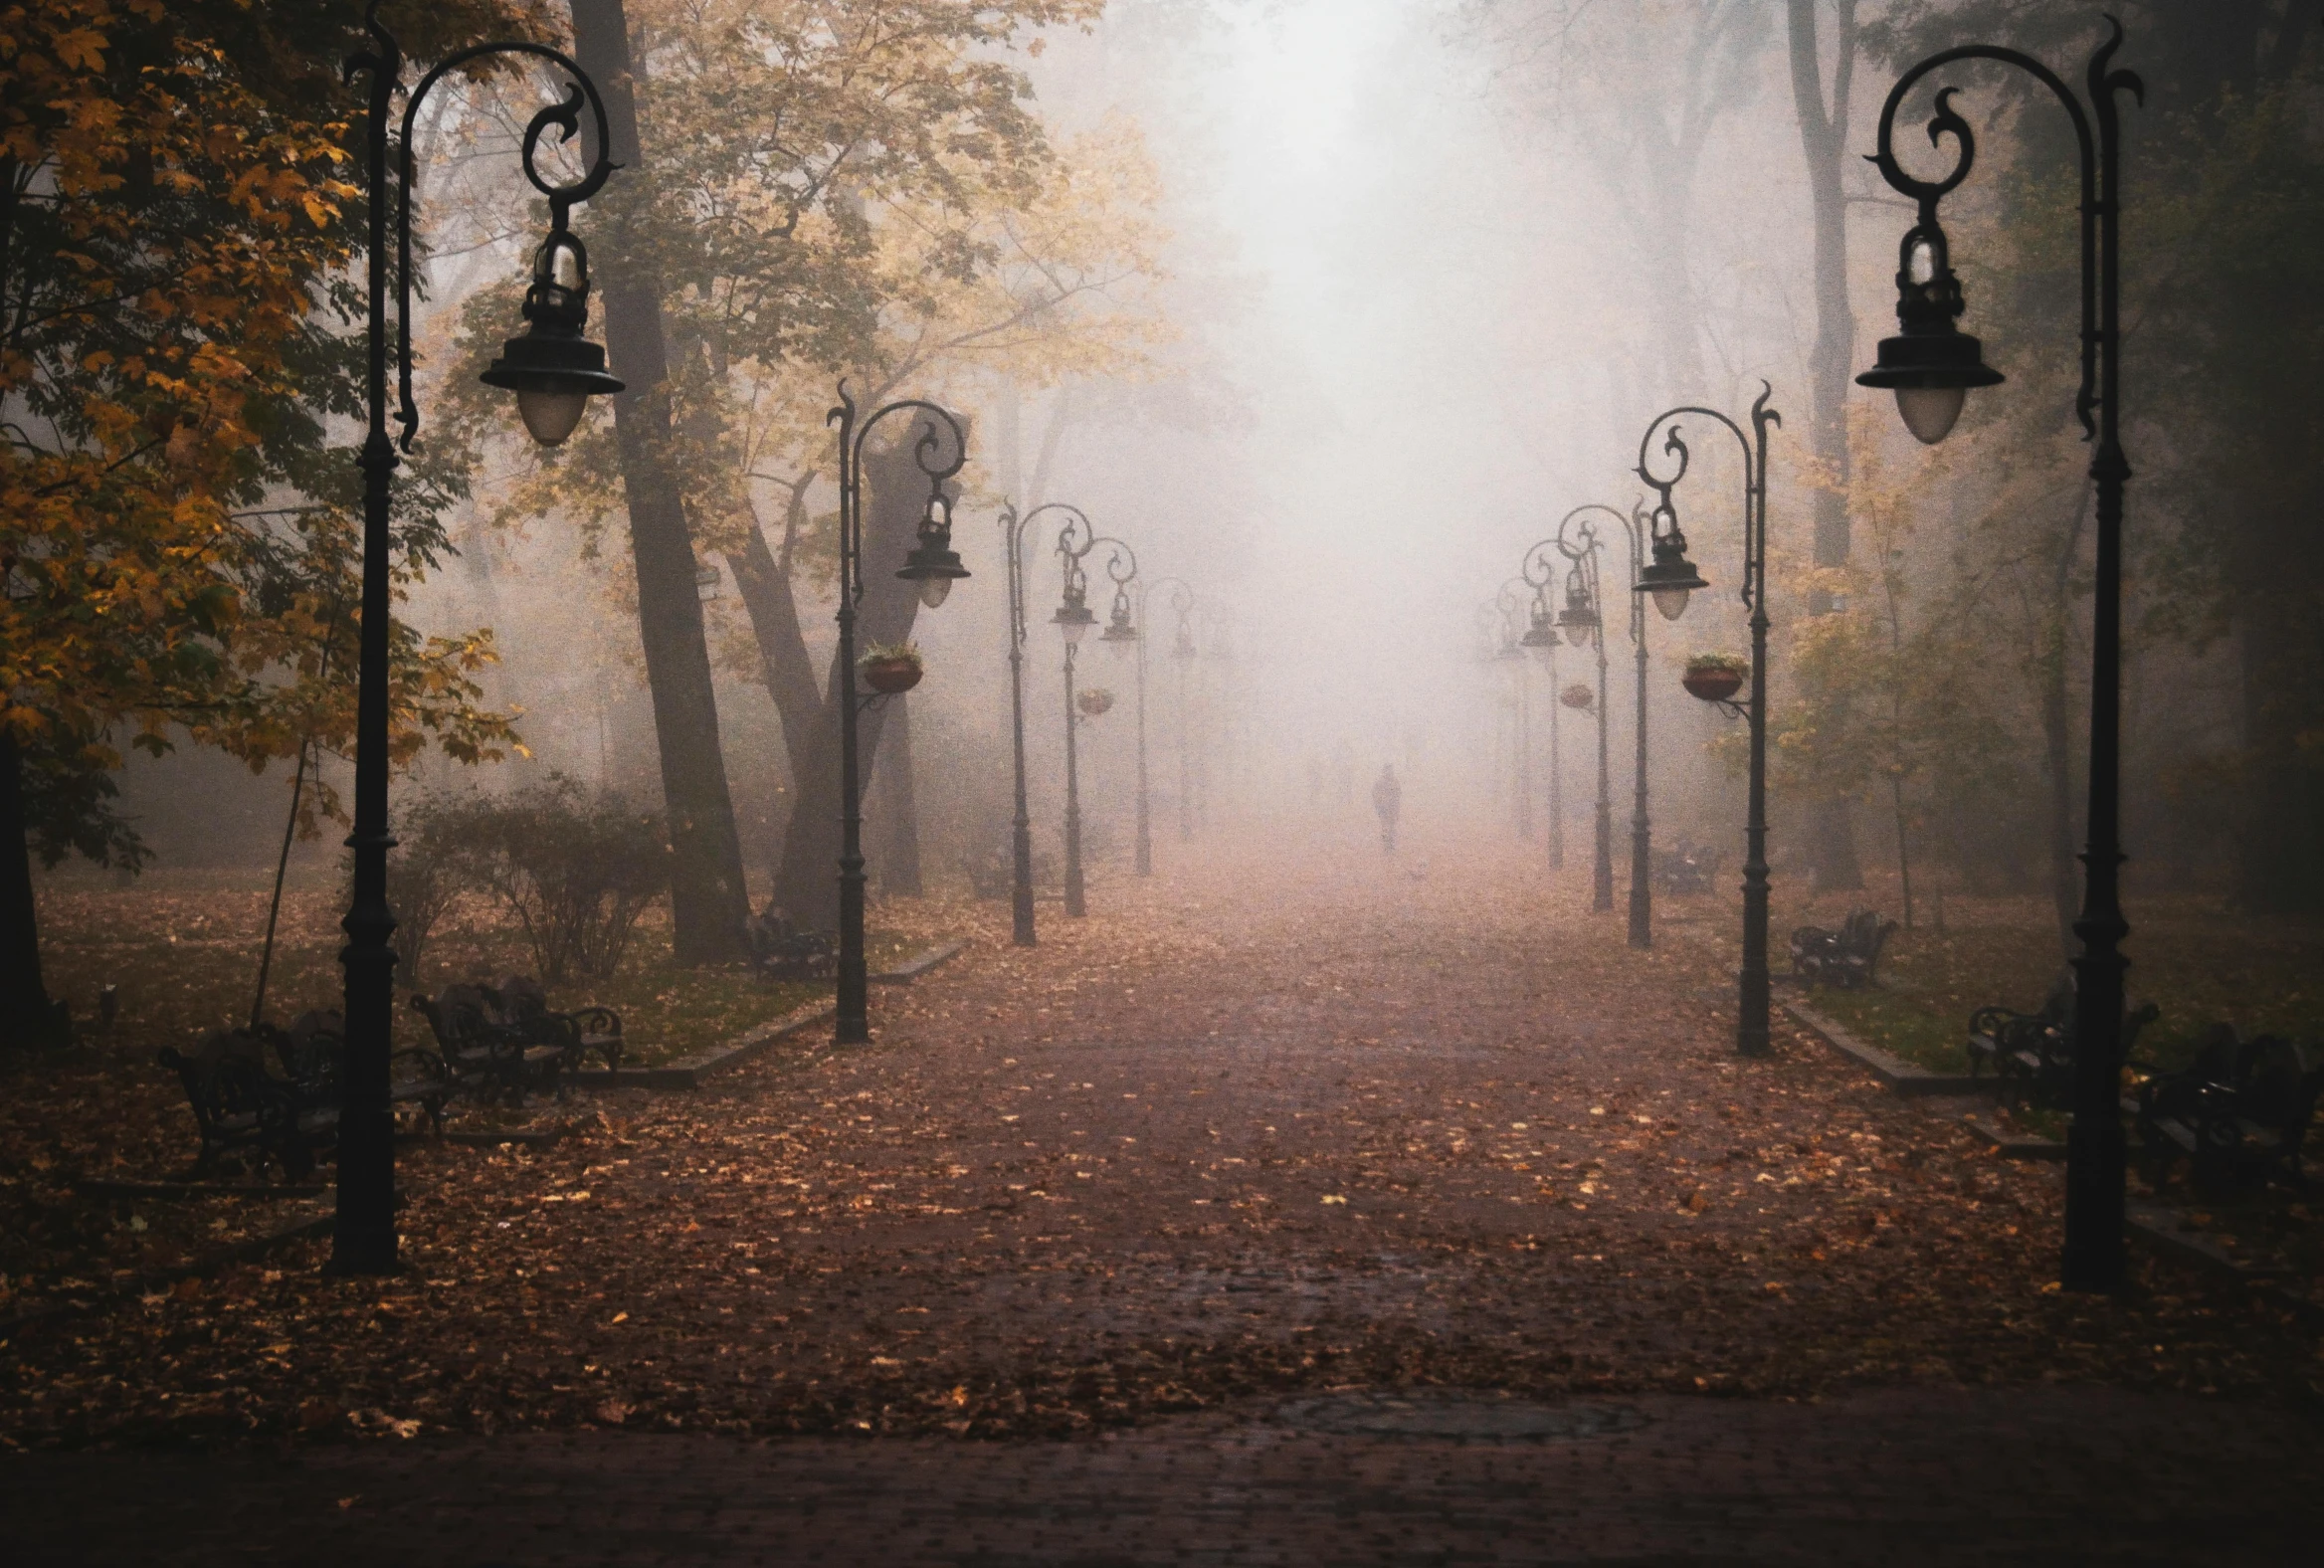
x=1259, y=1124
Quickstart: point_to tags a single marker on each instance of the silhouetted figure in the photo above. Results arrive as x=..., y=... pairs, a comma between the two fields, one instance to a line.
x=1387, y=800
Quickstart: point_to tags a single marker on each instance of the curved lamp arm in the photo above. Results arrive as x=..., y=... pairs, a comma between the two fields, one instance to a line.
x=928, y=453
x=2103, y=84
x=384, y=61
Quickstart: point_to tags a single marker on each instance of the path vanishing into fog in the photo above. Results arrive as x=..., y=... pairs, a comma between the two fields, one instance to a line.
x=1296, y=1206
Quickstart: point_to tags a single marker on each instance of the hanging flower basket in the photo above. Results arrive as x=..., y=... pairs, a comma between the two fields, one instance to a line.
x=1578, y=696
x=1715, y=678
x=890, y=667
x=1094, y=702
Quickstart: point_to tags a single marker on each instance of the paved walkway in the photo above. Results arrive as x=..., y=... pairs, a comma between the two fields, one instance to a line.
x=1162, y=1242
x=2044, y=1477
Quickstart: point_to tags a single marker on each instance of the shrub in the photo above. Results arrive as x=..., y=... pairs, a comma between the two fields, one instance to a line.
x=575, y=871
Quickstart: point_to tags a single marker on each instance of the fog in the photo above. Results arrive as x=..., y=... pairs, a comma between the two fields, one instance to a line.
x=1415, y=303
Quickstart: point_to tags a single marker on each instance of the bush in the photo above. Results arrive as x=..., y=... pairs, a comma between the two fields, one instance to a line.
x=424, y=876
x=575, y=871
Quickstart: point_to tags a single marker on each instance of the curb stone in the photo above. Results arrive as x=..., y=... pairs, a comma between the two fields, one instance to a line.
x=1900, y=1075
x=688, y=1074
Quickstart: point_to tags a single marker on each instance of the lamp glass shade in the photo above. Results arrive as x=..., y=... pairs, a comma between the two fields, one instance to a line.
x=1930, y=412
x=550, y=415
x=935, y=590
x=1578, y=632
x=1671, y=601
x=1072, y=631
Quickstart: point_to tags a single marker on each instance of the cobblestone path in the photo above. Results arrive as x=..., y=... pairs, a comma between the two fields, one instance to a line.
x=1286, y=1209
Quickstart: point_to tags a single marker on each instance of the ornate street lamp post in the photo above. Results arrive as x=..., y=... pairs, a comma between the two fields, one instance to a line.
x=554, y=370
x=1635, y=531
x=1669, y=579
x=1181, y=597
x=1021, y=826
x=1074, y=542
x=1578, y=542
x=1541, y=638
x=1931, y=365
x=934, y=567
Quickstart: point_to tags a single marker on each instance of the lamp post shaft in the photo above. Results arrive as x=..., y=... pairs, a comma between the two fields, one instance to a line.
x=1145, y=809
x=852, y=1027
x=2096, y=1157
x=1021, y=826
x=1557, y=801
x=1641, y=852
x=1076, y=901
x=1185, y=766
x=1602, y=869
x=364, y=1238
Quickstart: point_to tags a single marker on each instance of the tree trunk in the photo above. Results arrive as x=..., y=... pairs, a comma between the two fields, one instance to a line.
x=27, y=1016
x=708, y=902
x=2280, y=839
x=807, y=878
x=1830, y=838
x=897, y=821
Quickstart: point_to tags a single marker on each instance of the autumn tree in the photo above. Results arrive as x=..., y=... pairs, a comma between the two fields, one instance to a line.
x=863, y=192
x=177, y=534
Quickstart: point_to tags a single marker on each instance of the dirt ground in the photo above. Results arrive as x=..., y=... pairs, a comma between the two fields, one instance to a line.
x=1264, y=1127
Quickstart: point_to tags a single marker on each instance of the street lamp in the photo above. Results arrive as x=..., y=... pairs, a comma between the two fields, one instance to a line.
x=1669, y=579
x=932, y=567
x=1181, y=597
x=554, y=370
x=1636, y=529
x=1541, y=639
x=1074, y=619
x=1578, y=542
x=1013, y=529
x=1931, y=367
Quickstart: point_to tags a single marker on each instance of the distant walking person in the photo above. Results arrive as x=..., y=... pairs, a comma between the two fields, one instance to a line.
x=1387, y=800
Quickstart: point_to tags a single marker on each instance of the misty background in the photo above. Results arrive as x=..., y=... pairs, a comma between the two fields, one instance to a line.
x=1412, y=280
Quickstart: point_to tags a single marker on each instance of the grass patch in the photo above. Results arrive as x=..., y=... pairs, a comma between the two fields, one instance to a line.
x=1900, y=1023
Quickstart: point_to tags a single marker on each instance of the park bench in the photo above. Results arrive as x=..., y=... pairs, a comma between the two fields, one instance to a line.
x=1686, y=869
x=1849, y=957
x=781, y=949
x=582, y=1033
x=2033, y=1054
x=489, y=1056
x=2239, y=1114
x=291, y=1116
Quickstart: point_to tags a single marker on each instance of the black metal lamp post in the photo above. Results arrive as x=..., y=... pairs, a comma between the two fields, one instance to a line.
x=1931, y=365
x=1669, y=579
x=934, y=566
x=1021, y=826
x=1636, y=529
x=553, y=370
x=1074, y=619
x=1181, y=597
x=1577, y=542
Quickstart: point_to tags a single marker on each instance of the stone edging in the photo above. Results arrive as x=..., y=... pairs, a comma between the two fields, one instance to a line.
x=690, y=1072
x=2015, y=1146
x=919, y=965
x=1899, y=1074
